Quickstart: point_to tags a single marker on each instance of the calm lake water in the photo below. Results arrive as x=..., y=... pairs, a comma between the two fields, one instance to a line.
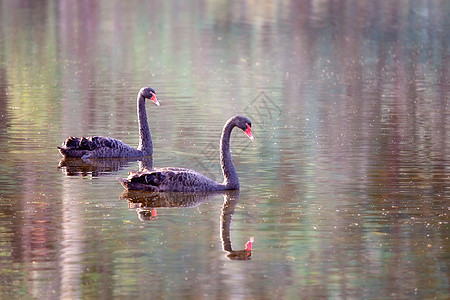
x=346, y=188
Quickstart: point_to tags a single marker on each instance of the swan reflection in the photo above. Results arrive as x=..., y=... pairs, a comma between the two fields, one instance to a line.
x=146, y=204
x=229, y=204
x=100, y=166
x=143, y=199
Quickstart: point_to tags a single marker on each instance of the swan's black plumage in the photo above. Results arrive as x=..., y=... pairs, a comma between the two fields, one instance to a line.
x=186, y=180
x=100, y=146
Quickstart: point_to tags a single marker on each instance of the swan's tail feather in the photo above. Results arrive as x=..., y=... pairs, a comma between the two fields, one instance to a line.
x=133, y=185
x=62, y=151
x=66, y=152
x=124, y=182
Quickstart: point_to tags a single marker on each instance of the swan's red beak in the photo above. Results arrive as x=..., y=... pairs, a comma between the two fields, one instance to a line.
x=154, y=99
x=249, y=244
x=248, y=132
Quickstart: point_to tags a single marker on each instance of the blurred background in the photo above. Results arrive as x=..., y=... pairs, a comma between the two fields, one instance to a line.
x=345, y=189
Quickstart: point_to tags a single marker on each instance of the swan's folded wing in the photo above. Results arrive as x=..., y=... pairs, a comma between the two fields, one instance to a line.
x=92, y=143
x=171, y=179
x=148, y=178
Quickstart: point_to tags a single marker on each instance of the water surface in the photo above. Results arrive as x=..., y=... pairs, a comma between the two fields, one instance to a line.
x=345, y=189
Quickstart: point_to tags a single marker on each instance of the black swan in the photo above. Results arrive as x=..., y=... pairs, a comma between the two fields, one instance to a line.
x=100, y=146
x=186, y=180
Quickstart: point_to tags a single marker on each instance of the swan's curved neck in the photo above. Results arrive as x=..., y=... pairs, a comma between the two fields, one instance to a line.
x=145, y=140
x=230, y=177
